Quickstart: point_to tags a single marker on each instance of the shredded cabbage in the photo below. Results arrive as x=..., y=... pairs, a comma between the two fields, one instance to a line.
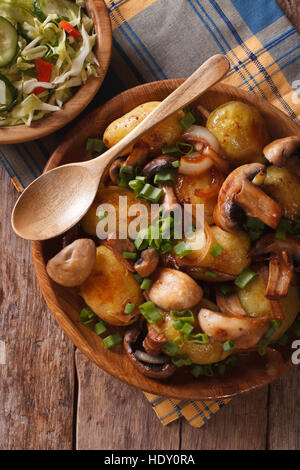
x=73, y=62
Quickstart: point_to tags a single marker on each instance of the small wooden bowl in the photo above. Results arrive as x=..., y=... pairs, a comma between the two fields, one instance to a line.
x=65, y=304
x=50, y=123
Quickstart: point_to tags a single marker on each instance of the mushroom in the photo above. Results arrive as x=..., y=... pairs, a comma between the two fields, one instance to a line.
x=154, y=342
x=202, y=111
x=279, y=151
x=282, y=256
x=147, y=263
x=245, y=331
x=73, y=264
x=114, y=170
x=230, y=304
x=169, y=203
x=174, y=290
x=158, y=164
x=156, y=367
x=139, y=155
x=239, y=195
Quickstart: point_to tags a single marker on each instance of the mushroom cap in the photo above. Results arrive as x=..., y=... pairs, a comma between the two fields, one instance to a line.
x=155, y=371
x=147, y=263
x=157, y=164
x=239, y=196
x=174, y=290
x=278, y=151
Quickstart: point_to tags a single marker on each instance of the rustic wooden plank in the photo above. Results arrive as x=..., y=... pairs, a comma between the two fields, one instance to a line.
x=112, y=415
x=284, y=412
x=240, y=425
x=292, y=10
x=37, y=380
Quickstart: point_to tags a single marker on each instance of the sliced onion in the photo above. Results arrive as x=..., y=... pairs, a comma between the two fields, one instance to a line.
x=198, y=134
x=194, y=164
x=188, y=260
x=213, y=188
x=217, y=160
x=144, y=357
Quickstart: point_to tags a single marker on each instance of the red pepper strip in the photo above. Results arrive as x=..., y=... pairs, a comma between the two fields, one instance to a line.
x=43, y=69
x=69, y=28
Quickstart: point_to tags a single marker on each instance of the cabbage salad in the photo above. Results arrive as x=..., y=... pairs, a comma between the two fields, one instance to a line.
x=46, y=51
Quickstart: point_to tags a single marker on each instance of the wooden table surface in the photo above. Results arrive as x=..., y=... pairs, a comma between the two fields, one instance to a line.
x=53, y=397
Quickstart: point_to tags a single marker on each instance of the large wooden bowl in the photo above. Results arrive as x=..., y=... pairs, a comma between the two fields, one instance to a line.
x=54, y=121
x=65, y=304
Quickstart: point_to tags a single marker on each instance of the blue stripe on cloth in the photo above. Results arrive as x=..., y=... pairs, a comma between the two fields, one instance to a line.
x=159, y=74
x=280, y=38
x=31, y=157
x=9, y=169
x=256, y=18
x=27, y=164
x=254, y=59
x=127, y=60
x=241, y=64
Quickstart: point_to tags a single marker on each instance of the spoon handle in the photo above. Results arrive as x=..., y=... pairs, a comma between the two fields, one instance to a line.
x=207, y=75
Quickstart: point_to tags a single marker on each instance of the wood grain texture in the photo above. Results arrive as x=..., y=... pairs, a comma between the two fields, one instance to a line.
x=292, y=10
x=240, y=425
x=37, y=381
x=54, y=121
x=112, y=415
x=65, y=304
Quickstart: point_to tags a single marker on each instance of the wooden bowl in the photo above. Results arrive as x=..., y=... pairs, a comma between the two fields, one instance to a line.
x=50, y=123
x=65, y=304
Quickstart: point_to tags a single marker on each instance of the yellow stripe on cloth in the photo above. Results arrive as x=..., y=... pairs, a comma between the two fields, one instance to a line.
x=126, y=9
x=197, y=413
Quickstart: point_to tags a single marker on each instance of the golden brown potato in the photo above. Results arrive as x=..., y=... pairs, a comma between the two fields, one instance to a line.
x=284, y=187
x=240, y=130
x=253, y=300
x=232, y=260
x=110, y=195
x=196, y=189
x=109, y=288
x=198, y=353
x=165, y=133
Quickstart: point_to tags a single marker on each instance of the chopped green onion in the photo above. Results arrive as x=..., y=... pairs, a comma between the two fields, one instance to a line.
x=166, y=175
x=216, y=250
x=86, y=315
x=112, y=340
x=170, y=348
x=276, y=323
x=254, y=227
x=210, y=274
x=231, y=360
x=150, y=312
x=245, y=277
x=199, y=338
x=187, y=120
x=208, y=370
x=177, y=324
x=141, y=241
x=189, y=148
x=94, y=144
x=281, y=230
x=138, y=278
x=168, y=150
x=262, y=346
x=221, y=368
x=226, y=289
x=150, y=193
x=180, y=361
x=129, y=308
x=187, y=329
x=136, y=185
x=228, y=345
x=146, y=283
x=129, y=255
x=127, y=173
x=197, y=370
x=165, y=247
x=176, y=164
x=102, y=215
x=182, y=315
x=182, y=249
x=100, y=327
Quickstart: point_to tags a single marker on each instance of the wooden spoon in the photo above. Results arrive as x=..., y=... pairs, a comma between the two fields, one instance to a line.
x=58, y=199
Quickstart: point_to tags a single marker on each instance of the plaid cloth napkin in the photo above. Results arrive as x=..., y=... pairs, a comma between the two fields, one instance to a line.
x=158, y=39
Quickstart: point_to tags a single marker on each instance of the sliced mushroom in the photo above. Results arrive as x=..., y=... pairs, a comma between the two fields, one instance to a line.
x=245, y=331
x=114, y=170
x=278, y=151
x=139, y=155
x=154, y=342
x=239, y=196
x=282, y=256
x=151, y=366
x=174, y=290
x=158, y=164
x=230, y=304
x=147, y=263
x=169, y=203
x=73, y=264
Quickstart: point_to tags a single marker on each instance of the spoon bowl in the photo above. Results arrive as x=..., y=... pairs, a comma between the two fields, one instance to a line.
x=56, y=201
